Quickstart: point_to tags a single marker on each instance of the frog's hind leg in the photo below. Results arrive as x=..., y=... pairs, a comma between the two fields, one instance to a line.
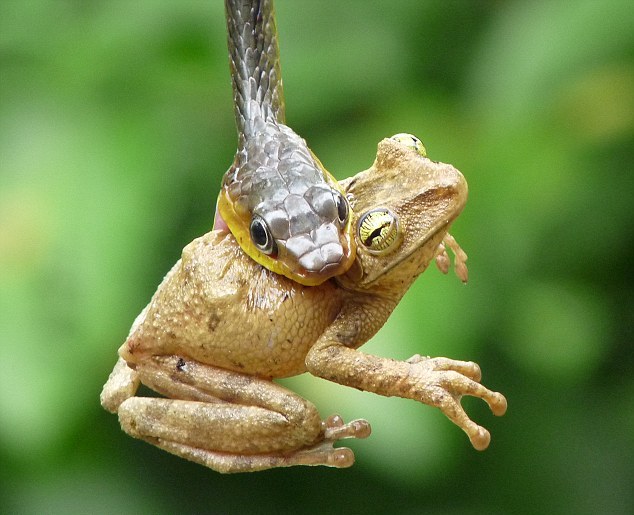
x=232, y=422
x=321, y=454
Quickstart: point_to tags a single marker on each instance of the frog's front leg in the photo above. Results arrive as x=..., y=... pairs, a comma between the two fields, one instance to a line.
x=232, y=422
x=439, y=382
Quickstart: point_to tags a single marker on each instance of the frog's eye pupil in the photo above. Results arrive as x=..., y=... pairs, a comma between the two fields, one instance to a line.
x=342, y=208
x=372, y=237
x=261, y=236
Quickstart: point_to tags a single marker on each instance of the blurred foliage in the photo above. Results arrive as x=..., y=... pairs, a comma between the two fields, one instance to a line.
x=115, y=127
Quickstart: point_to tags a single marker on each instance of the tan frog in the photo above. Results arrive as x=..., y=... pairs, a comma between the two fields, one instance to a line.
x=220, y=327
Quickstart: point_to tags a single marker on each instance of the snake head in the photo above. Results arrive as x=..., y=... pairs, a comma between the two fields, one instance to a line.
x=284, y=208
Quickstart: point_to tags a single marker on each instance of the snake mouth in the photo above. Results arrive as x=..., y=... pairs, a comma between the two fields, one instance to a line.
x=325, y=261
x=321, y=254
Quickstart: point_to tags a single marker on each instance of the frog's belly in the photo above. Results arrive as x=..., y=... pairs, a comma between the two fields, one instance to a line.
x=220, y=308
x=269, y=338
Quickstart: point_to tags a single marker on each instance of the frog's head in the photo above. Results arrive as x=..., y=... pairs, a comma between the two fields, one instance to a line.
x=403, y=205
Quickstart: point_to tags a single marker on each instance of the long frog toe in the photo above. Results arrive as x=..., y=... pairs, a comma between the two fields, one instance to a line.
x=480, y=438
x=466, y=368
x=459, y=384
x=335, y=428
x=497, y=403
x=451, y=407
x=322, y=453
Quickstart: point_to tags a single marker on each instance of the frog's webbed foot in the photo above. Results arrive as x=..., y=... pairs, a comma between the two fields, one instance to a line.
x=324, y=452
x=441, y=382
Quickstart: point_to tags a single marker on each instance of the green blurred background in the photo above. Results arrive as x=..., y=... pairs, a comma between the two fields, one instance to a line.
x=115, y=127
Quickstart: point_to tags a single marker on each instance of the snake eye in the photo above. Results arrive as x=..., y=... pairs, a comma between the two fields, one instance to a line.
x=261, y=236
x=411, y=141
x=379, y=231
x=342, y=208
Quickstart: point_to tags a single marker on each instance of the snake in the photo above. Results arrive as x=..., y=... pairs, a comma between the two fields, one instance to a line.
x=286, y=211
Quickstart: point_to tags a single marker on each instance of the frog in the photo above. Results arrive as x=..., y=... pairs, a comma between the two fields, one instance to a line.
x=221, y=328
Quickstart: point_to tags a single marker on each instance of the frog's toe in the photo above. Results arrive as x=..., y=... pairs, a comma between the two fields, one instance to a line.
x=341, y=457
x=336, y=429
x=322, y=453
x=468, y=369
x=497, y=403
x=480, y=438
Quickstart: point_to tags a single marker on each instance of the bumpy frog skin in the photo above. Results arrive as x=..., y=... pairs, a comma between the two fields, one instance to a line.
x=220, y=327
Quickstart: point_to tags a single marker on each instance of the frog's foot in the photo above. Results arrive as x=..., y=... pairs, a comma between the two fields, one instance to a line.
x=441, y=382
x=460, y=258
x=324, y=452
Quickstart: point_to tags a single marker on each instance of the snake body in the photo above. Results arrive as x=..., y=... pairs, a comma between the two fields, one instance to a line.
x=286, y=211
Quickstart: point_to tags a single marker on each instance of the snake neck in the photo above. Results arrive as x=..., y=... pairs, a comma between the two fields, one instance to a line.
x=255, y=65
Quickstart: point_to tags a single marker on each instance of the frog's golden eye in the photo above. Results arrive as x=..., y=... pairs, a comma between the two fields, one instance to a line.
x=412, y=142
x=379, y=231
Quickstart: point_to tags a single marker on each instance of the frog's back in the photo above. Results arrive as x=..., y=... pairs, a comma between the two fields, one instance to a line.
x=219, y=307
